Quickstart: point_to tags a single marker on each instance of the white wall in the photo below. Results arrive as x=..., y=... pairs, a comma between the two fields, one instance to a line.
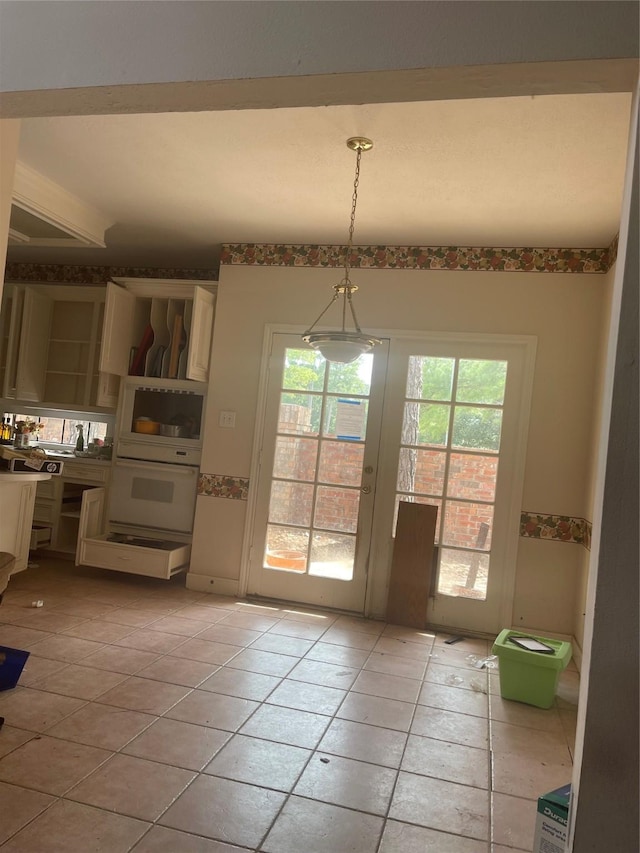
x=605, y=780
x=582, y=571
x=563, y=311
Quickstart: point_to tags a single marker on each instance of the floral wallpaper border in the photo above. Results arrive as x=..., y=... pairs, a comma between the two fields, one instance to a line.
x=563, y=528
x=223, y=486
x=364, y=257
x=424, y=257
x=92, y=274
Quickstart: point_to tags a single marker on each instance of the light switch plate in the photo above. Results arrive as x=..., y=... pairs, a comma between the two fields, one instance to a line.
x=227, y=420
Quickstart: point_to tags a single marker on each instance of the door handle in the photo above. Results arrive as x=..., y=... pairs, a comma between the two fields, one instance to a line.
x=366, y=490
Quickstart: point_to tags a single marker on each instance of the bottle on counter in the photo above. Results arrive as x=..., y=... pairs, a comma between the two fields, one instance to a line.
x=80, y=439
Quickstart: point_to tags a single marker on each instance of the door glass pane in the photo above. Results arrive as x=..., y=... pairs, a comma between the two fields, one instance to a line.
x=421, y=471
x=468, y=525
x=463, y=573
x=353, y=378
x=295, y=458
x=290, y=503
x=425, y=423
x=332, y=556
x=346, y=418
x=286, y=549
x=341, y=463
x=337, y=509
x=303, y=370
x=429, y=378
x=472, y=476
x=477, y=427
x=481, y=381
x=299, y=414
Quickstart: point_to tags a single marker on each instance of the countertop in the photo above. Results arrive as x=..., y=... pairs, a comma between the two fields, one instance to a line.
x=71, y=457
x=22, y=476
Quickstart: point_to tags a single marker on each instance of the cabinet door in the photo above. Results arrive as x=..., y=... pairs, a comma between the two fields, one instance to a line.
x=16, y=513
x=90, y=517
x=117, y=332
x=11, y=324
x=108, y=387
x=34, y=346
x=200, y=337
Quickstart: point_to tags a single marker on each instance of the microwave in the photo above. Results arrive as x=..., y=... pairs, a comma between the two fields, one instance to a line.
x=161, y=420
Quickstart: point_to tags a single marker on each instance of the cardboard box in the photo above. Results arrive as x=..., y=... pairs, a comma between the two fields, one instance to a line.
x=552, y=821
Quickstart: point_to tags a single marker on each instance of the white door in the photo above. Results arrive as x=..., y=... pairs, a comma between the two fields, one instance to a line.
x=316, y=486
x=437, y=419
x=454, y=432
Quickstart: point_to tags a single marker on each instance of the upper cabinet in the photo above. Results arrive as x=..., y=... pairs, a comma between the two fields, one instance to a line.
x=51, y=339
x=66, y=346
x=158, y=328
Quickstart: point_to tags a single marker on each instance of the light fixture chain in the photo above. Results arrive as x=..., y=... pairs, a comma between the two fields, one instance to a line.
x=354, y=202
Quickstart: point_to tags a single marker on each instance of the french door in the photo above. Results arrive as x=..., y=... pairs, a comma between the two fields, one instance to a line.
x=316, y=483
x=437, y=419
x=454, y=427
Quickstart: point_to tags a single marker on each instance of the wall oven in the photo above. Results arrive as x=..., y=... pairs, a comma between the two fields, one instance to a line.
x=157, y=497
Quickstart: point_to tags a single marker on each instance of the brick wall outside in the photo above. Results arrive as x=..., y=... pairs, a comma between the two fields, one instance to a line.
x=470, y=477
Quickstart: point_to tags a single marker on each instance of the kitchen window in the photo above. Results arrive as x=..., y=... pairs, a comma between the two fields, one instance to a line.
x=62, y=431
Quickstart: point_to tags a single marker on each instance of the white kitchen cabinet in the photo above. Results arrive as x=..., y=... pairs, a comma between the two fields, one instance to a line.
x=158, y=328
x=97, y=546
x=32, y=366
x=118, y=330
x=17, y=498
x=56, y=515
x=26, y=323
x=51, y=343
x=10, y=321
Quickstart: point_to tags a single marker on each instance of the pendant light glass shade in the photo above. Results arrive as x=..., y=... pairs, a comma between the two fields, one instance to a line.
x=342, y=345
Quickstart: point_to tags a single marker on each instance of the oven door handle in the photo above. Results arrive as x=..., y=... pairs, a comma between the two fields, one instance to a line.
x=158, y=467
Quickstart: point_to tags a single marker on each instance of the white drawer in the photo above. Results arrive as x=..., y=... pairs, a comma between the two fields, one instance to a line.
x=85, y=472
x=44, y=510
x=39, y=536
x=151, y=562
x=48, y=488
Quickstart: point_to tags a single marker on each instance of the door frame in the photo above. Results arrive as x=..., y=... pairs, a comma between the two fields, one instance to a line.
x=375, y=595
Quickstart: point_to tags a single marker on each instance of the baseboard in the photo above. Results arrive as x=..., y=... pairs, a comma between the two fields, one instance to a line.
x=577, y=653
x=206, y=583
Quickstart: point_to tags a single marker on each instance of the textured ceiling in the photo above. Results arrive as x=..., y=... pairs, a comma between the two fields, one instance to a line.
x=533, y=171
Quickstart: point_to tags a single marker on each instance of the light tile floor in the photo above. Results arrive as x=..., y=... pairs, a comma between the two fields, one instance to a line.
x=153, y=719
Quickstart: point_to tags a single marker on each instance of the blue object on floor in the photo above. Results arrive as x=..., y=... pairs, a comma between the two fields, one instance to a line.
x=12, y=663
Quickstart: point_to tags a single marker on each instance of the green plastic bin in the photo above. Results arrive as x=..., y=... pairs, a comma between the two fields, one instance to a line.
x=527, y=676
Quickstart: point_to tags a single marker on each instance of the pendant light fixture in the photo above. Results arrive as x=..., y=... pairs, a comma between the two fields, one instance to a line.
x=341, y=345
